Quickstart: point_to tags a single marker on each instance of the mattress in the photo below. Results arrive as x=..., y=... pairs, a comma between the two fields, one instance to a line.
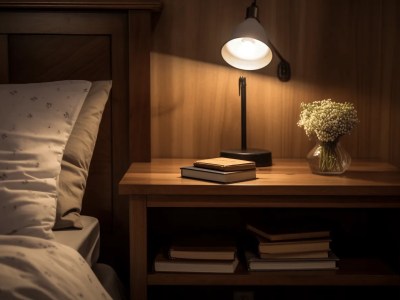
x=86, y=241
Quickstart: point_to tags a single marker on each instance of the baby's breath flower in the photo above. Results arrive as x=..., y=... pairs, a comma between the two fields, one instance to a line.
x=327, y=120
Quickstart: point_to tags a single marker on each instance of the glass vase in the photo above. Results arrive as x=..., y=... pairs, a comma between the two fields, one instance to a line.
x=328, y=158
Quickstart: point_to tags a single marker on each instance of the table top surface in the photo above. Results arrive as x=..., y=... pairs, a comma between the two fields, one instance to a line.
x=284, y=177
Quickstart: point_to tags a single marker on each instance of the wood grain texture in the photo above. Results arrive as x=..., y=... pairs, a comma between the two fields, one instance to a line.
x=89, y=4
x=343, y=50
x=4, y=58
x=39, y=61
x=284, y=178
x=138, y=246
x=139, y=86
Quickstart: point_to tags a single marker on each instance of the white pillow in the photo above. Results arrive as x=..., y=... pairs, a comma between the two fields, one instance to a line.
x=35, y=123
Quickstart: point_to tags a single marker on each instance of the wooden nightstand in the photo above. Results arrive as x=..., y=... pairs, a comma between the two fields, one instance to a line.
x=370, y=187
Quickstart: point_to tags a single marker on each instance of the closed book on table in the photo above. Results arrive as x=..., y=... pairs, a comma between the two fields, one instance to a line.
x=255, y=263
x=279, y=233
x=217, y=176
x=164, y=264
x=225, y=164
x=293, y=246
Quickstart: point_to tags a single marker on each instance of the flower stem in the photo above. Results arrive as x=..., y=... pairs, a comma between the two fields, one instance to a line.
x=329, y=160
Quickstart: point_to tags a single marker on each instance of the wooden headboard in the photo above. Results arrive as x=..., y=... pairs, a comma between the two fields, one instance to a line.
x=91, y=40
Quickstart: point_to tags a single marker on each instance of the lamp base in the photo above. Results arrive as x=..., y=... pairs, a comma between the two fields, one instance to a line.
x=262, y=158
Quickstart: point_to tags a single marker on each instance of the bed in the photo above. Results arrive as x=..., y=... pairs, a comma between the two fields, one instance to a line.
x=75, y=245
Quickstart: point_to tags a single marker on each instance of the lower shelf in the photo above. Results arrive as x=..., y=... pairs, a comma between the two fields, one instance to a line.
x=351, y=272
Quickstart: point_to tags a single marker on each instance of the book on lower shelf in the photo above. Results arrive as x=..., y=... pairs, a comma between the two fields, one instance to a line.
x=217, y=176
x=280, y=233
x=255, y=263
x=309, y=254
x=203, y=246
x=292, y=246
x=202, y=252
x=163, y=263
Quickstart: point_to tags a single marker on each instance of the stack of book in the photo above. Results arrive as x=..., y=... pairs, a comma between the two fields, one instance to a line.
x=198, y=255
x=221, y=169
x=290, y=250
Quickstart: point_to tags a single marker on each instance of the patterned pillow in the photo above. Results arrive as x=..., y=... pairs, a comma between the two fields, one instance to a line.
x=78, y=155
x=35, y=123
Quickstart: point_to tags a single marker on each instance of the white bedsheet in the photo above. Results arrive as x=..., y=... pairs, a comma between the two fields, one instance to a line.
x=35, y=268
x=86, y=241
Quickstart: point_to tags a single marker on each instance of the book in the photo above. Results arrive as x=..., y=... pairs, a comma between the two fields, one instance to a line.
x=311, y=254
x=255, y=263
x=202, y=252
x=272, y=233
x=225, y=164
x=217, y=246
x=217, y=176
x=292, y=246
x=164, y=264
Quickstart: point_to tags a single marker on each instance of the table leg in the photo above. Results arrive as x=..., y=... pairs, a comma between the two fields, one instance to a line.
x=138, y=247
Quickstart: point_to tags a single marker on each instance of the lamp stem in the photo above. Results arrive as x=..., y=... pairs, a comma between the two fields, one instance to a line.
x=262, y=158
x=242, y=94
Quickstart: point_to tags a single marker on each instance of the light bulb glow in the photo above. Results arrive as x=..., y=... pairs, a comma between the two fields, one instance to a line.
x=247, y=48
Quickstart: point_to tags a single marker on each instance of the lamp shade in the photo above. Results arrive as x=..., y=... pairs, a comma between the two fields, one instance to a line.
x=247, y=49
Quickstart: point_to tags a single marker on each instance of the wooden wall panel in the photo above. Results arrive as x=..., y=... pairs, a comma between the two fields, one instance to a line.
x=33, y=57
x=4, y=58
x=139, y=85
x=391, y=75
x=344, y=50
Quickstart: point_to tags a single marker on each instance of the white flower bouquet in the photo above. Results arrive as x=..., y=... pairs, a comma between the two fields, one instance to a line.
x=327, y=121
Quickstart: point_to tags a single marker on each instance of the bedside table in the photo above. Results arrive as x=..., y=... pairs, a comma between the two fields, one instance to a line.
x=288, y=184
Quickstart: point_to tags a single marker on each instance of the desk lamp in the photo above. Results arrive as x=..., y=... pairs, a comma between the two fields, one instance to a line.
x=249, y=49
